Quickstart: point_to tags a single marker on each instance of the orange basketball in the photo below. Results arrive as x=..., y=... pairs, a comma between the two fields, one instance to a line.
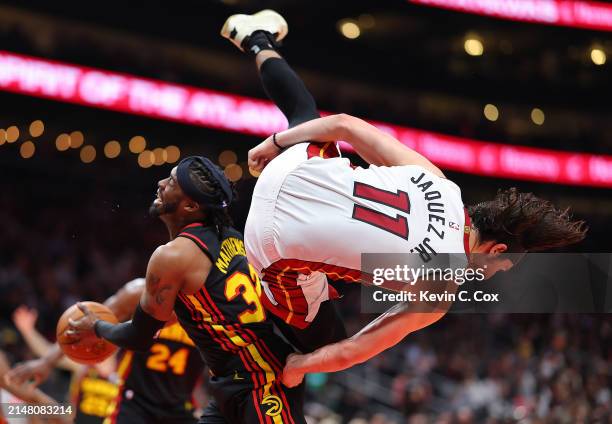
x=89, y=350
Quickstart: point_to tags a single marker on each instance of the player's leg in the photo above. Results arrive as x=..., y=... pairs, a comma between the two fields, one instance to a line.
x=259, y=35
x=326, y=327
x=275, y=403
x=212, y=414
x=128, y=412
x=285, y=88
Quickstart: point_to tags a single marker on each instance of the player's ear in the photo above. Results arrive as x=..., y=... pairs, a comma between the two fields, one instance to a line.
x=191, y=206
x=497, y=249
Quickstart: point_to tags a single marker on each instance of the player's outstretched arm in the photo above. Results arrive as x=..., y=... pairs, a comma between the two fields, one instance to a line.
x=375, y=146
x=384, y=332
x=26, y=392
x=168, y=269
x=25, y=321
x=122, y=304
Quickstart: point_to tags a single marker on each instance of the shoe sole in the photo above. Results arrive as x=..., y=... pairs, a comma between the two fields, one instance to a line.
x=265, y=15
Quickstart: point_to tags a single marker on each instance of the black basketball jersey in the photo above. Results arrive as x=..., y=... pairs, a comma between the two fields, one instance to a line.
x=163, y=377
x=225, y=317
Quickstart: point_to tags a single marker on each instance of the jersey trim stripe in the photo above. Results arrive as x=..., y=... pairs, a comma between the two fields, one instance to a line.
x=325, y=146
x=123, y=370
x=256, y=405
x=467, y=228
x=211, y=303
x=199, y=307
x=207, y=306
x=196, y=308
x=323, y=150
x=270, y=379
x=285, y=402
x=194, y=225
x=125, y=365
x=271, y=358
x=279, y=280
x=197, y=241
x=256, y=384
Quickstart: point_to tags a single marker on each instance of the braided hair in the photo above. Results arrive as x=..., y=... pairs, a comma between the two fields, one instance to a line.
x=201, y=177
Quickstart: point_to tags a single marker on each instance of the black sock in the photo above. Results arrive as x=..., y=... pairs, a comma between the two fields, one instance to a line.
x=285, y=88
x=258, y=41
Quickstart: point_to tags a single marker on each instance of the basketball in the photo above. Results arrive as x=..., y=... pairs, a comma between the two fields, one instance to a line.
x=89, y=350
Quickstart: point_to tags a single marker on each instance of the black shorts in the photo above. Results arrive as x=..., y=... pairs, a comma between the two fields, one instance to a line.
x=326, y=328
x=132, y=410
x=239, y=402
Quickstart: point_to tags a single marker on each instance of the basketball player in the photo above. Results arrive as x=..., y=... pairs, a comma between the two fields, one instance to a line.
x=145, y=387
x=92, y=388
x=12, y=394
x=313, y=214
x=202, y=275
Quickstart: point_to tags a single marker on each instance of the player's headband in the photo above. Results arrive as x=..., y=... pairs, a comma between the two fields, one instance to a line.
x=184, y=178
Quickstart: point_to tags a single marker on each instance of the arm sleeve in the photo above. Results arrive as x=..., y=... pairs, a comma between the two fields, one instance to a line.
x=136, y=334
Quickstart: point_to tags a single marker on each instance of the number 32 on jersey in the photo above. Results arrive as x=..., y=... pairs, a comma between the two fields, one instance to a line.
x=249, y=287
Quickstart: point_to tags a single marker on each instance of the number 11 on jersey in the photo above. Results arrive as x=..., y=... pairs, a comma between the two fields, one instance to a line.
x=397, y=225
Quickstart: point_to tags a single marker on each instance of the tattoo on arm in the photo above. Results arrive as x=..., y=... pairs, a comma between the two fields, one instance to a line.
x=158, y=291
x=160, y=296
x=153, y=283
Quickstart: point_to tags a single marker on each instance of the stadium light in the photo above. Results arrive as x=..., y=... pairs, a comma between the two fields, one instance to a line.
x=233, y=172
x=62, y=142
x=491, y=112
x=254, y=173
x=146, y=158
x=12, y=134
x=473, y=47
x=224, y=111
x=572, y=13
x=173, y=154
x=227, y=157
x=598, y=56
x=159, y=156
x=88, y=154
x=37, y=128
x=112, y=149
x=76, y=139
x=366, y=21
x=27, y=149
x=137, y=144
x=537, y=116
x=349, y=29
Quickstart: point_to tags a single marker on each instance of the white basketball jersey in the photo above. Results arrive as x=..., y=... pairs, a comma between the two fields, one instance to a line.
x=333, y=213
x=312, y=216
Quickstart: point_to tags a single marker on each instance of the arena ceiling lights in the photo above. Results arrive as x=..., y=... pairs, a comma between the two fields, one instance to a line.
x=208, y=108
x=570, y=13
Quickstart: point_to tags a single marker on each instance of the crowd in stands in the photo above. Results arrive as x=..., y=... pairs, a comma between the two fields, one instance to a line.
x=467, y=368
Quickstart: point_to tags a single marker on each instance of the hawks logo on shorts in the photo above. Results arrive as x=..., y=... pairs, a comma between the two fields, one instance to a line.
x=274, y=404
x=228, y=323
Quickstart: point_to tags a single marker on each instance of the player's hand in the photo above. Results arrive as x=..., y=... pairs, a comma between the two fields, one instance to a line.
x=16, y=386
x=292, y=376
x=36, y=371
x=84, y=326
x=262, y=154
x=25, y=319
